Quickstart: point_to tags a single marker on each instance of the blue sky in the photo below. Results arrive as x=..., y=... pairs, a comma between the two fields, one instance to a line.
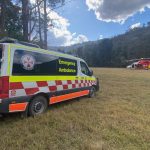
x=83, y=21
x=105, y=18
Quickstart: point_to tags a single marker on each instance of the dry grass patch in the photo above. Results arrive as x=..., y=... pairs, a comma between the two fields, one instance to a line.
x=118, y=118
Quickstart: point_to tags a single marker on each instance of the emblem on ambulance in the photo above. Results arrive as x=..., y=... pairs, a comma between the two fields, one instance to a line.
x=28, y=62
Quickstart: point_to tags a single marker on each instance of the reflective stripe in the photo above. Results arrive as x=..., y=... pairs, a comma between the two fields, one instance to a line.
x=30, y=91
x=15, y=85
x=42, y=83
x=30, y=88
x=65, y=97
x=17, y=107
x=47, y=78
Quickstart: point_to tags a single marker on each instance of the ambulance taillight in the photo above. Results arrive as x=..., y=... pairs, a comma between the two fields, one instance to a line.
x=4, y=87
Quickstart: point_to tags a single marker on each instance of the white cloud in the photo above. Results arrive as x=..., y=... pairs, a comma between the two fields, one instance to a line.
x=79, y=39
x=136, y=25
x=100, y=37
x=59, y=35
x=116, y=10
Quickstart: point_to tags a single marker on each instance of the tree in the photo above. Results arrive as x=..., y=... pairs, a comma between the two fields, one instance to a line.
x=45, y=24
x=25, y=18
x=2, y=17
x=10, y=20
x=52, y=4
x=40, y=23
x=42, y=18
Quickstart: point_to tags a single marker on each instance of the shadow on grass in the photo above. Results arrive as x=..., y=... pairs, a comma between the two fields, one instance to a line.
x=13, y=117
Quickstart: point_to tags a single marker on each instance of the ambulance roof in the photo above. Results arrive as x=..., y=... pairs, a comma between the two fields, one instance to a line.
x=31, y=48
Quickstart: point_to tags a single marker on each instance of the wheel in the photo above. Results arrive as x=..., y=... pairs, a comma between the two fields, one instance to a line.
x=92, y=92
x=37, y=106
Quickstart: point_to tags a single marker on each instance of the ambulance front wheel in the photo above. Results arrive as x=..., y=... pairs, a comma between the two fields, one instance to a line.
x=92, y=92
x=37, y=106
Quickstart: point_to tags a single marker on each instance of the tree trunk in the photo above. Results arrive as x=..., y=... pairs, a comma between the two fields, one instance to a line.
x=45, y=24
x=2, y=18
x=30, y=25
x=39, y=18
x=25, y=18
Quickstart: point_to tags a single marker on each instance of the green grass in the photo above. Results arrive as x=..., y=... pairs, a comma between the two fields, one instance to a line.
x=118, y=118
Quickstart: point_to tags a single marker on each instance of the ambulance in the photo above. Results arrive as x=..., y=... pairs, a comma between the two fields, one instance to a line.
x=32, y=78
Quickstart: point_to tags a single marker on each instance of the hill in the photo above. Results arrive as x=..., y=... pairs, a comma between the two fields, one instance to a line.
x=115, y=51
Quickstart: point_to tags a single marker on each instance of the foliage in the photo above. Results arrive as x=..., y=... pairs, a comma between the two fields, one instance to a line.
x=11, y=20
x=27, y=21
x=115, y=52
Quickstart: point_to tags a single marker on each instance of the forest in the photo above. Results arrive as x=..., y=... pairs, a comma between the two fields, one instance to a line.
x=116, y=51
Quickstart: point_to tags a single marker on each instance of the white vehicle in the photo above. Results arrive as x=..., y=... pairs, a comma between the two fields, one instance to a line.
x=132, y=66
x=33, y=78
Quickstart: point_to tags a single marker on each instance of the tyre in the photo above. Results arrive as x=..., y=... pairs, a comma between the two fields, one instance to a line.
x=92, y=92
x=38, y=106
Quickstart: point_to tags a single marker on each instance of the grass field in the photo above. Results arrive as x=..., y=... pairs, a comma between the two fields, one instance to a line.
x=118, y=118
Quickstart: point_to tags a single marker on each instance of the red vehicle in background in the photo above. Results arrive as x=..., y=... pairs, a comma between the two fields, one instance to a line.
x=143, y=63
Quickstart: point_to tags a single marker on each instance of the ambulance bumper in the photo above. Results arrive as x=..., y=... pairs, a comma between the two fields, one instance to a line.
x=12, y=105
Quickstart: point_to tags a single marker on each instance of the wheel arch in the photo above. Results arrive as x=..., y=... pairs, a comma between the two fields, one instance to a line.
x=40, y=94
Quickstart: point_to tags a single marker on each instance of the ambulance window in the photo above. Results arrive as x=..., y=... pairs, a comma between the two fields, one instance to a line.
x=67, y=66
x=84, y=68
x=33, y=63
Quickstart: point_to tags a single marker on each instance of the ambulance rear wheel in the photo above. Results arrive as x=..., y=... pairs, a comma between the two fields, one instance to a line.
x=38, y=106
x=92, y=92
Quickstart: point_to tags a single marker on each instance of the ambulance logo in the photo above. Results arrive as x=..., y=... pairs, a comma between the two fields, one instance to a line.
x=28, y=62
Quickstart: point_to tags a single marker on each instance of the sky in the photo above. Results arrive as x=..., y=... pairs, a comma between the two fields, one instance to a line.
x=89, y=20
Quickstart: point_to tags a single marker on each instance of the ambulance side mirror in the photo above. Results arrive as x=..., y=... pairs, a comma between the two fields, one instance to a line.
x=91, y=72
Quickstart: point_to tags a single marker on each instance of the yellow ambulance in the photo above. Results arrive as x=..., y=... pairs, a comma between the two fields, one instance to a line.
x=32, y=78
